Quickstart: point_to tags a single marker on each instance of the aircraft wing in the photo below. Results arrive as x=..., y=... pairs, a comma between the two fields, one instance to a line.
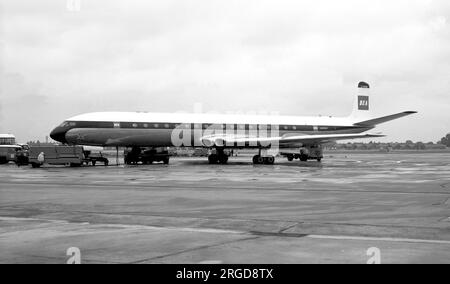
x=224, y=140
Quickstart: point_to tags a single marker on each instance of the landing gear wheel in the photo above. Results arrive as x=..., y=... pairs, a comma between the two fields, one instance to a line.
x=223, y=159
x=213, y=159
x=303, y=158
x=270, y=160
x=129, y=159
x=258, y=160
x=319, y=160
x=290, y=158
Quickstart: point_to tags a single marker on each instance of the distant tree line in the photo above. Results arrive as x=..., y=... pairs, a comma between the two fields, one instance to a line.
x=39, y=143
x=408, y=145
x=446, y=140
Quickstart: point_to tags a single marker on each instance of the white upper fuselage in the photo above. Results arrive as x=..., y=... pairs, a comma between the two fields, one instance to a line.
x=148, y=117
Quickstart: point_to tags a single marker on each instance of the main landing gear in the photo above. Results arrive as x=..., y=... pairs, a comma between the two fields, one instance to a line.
x=220, y=157
x=263, y=158
x=301, y=157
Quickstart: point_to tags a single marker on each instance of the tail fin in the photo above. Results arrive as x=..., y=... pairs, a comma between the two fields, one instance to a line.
x=361, y=114
x=361, y=105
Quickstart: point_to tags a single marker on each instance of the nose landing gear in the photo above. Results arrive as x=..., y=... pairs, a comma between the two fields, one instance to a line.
x=220, y=157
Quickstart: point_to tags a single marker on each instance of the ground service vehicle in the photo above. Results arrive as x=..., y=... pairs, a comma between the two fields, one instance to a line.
x=56, y=155
x=22, y=155
x=313, y=152
x=8, y=153
x=74, y=156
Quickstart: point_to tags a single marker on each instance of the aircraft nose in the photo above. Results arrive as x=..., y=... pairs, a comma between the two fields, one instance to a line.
x=59, y=134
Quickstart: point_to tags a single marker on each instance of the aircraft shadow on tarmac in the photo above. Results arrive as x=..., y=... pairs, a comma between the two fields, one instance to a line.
x=231, y=163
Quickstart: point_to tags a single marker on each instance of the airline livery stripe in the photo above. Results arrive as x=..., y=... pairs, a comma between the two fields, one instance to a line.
x=165, y=125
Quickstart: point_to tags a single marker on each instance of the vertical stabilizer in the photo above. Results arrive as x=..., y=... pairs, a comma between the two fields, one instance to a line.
x=361, y=105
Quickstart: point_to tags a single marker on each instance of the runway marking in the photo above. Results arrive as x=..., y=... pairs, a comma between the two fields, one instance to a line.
x=4, y=218
x=211, y=262
x=399, y=240
x=183, y=229
x=125, y=226
x=146, y=187
x=218, y=231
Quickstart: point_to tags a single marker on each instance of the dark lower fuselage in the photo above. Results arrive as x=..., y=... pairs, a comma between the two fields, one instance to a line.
x=161, y=134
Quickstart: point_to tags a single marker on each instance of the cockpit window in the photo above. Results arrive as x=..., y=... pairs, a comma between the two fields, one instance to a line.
x=64, y=124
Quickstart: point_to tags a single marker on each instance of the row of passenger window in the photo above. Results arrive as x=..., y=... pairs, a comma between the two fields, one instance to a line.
x=213, y=126
x=198, y=126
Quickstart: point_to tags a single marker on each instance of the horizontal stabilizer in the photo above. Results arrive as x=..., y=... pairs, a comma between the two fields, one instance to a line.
x=376, y=121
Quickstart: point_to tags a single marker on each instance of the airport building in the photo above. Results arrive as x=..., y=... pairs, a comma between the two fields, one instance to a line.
x=7, y=139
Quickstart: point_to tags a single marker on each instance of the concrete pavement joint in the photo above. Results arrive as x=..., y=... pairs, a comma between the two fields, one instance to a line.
x=445, y=185
x=278, y=234
x=445, y=202
x=192, y=249
x=306, y=223
x=145, y=187
x=288, y=227
x=402, y=240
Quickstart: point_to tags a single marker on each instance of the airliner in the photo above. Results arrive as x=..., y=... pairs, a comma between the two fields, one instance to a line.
x=221, y=133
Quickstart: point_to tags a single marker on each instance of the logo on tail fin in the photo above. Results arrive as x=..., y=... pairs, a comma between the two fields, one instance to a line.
x=363, y=102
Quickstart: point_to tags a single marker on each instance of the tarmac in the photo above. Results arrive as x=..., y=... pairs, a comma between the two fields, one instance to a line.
x=189, y=211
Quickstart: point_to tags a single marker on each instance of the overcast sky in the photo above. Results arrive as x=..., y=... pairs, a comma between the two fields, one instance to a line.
x=291, y=57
